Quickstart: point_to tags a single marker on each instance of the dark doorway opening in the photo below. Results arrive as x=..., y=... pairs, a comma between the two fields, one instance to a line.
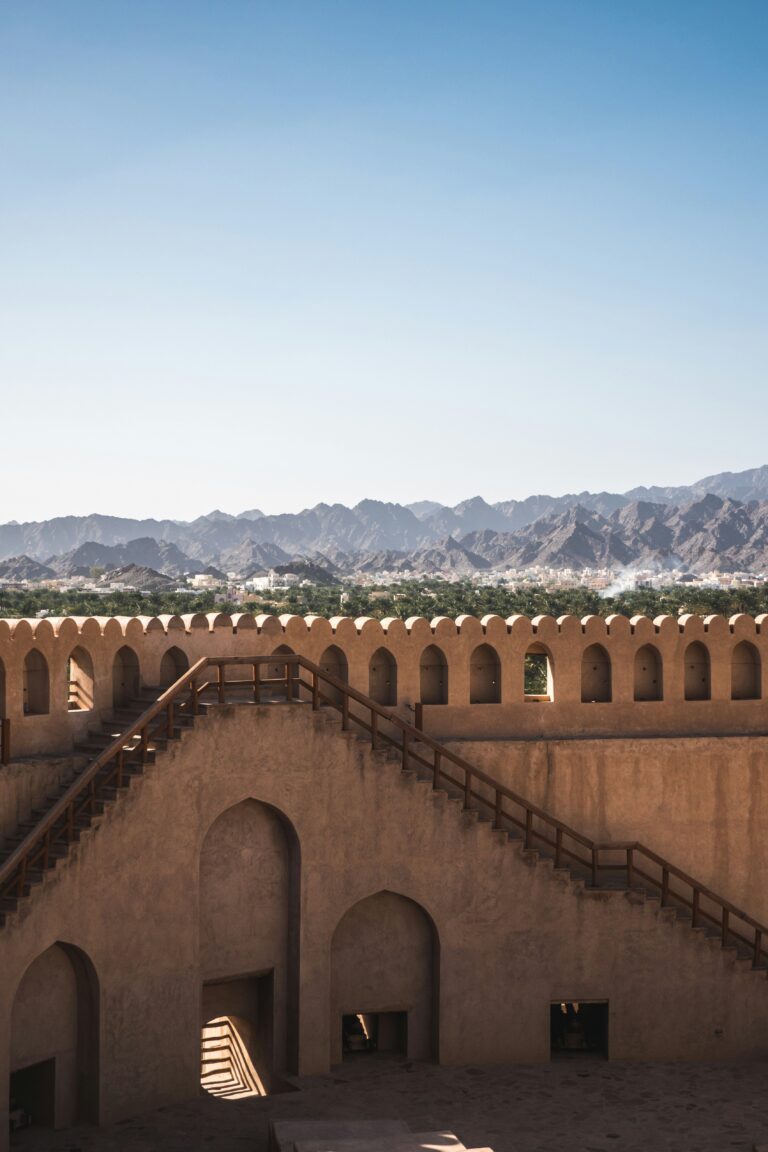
x=33, y=1096
x=237, y=1038
x=365, y=1032
x=579, y=1028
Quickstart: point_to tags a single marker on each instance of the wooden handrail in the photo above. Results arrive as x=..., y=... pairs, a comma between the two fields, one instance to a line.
x=411, y=742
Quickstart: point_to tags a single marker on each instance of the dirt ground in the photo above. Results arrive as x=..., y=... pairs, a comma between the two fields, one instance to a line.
x=570, y=1105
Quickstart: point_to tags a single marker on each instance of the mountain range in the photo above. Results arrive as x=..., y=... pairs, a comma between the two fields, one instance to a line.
x=718, y=522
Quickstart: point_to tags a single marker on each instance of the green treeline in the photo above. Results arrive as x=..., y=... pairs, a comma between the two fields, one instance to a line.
x=413, y=598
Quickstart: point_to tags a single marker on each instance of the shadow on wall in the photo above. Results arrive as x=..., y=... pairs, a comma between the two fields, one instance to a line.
x=54, y=1061
x=385, y=959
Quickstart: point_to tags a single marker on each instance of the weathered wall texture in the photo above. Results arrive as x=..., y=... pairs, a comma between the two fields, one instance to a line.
x=700, y=802
x=509, y=933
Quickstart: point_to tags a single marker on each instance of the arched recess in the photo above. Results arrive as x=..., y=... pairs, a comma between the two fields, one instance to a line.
x=484, y=676
x=745, y=672
x=433, y=676
x=249, y=935
x=697, y=683
x=37, y=688
x=126, y=677
x=382, y=678
x=649, y=683
x=277, y=669
x=80, y=680
x=538, y=674
x=54, y=1062
x=595, y=675
x=385, y=960
x=334, y=662
x=173, y=665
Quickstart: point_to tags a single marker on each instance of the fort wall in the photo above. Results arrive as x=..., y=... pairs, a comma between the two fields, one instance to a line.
x=511, y=936
x=607, y=676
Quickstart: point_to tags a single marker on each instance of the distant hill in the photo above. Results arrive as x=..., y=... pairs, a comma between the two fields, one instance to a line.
x=24, y=568
x=718, y=522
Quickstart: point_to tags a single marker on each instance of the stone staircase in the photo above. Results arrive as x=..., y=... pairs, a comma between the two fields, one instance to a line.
x=142, y=745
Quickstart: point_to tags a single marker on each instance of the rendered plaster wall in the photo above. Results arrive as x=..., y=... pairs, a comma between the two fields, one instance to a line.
x=574, y=648
x=509, y=932
x=702, y=803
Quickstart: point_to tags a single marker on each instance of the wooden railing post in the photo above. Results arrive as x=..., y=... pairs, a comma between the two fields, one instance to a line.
x=315, y=691
x=120, y=764
x=169, y=721
x=145, y=744
x=419, y=716
x=758, y=948
x=344, y=712
x=497, y=817
x=528, y=828
x=257, y=683
x=194, y=699
x=724, y=928
x=374, y=729
x=559, y=848
x=5, y=740
x=222, y=685
x=630, y=867
x=436, y=770
x=405, y=751
x=595, y=866
x=695, y=908
x=22, y=875
x=467, y=788
x=288, y=684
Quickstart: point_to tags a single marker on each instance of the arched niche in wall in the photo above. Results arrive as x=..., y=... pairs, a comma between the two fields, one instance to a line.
x=595, y=675
x=697, y=681
x=382, y=677
x=384, y=977
x=250, y=872
x=433, y=676
x=54, y=1062
x=37, y=687
x=649, y=684
x=172, y=666
x=538, y=673
x=278, y=669
x=484, y=676
x=745, y=672
x=126, y=677
x=80, y=680
x=334, y=662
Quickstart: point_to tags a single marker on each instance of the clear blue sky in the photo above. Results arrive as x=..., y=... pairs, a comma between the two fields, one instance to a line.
x=266, y=254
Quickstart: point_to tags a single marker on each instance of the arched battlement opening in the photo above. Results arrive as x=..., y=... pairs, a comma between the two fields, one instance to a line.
x=172, y=666
x=648, y=680
x=37, y=684
x=697, y=672
x=745, y=672
x=484, y=676
x=596, y=685
x=382, y=678
x=126, y=677
x=79, y=680
x=334, y=662
x=385, y=956
x=433, y=676
x=249, y=936
x=277, y=669
x=538, y=674
x=54, y=1050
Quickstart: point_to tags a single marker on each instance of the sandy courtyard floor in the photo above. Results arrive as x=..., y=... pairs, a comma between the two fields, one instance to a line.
x=568, y=1106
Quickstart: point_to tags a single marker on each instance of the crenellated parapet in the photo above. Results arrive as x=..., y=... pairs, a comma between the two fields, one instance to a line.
x=519, y=677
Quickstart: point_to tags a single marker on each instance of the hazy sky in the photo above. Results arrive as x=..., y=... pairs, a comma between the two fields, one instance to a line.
x=265, y=254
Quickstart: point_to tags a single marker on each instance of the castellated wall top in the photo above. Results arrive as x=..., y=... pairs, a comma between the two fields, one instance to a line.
x=608, y=676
